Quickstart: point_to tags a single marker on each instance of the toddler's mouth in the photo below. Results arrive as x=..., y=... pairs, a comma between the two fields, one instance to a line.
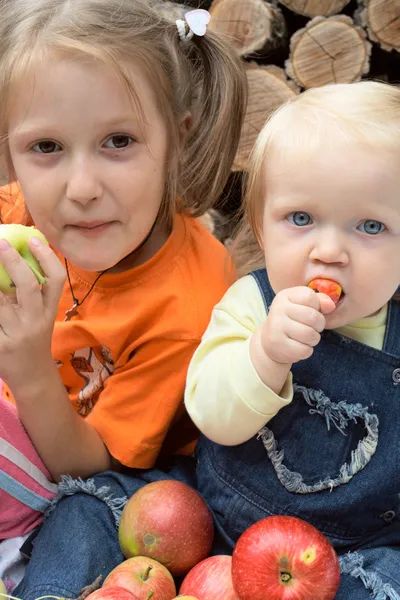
x=341, y=299
x=331, y=288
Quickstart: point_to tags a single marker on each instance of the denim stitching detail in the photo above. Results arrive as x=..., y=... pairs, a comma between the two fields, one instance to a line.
x=69, y=486
x=339, y=414
x=352, y=564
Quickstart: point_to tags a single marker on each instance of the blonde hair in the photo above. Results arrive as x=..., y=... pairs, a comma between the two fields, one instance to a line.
x=366, y=112
x=203, y=78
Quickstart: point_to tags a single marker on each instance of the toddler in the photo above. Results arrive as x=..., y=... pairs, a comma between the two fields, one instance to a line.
x=298, y=397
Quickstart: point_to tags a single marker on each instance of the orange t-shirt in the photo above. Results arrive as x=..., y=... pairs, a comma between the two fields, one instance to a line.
x=124, y=357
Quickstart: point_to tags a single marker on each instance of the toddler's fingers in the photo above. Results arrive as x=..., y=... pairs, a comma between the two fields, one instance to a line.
x=306, y=315
x=327, y=305
x=295, y=351
x=302, y=333
x=304, y=296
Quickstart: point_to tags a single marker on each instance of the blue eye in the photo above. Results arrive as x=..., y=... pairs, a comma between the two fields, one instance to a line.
x=46, y=147
x=300, y=219
x=371, y=227
x=118, y=142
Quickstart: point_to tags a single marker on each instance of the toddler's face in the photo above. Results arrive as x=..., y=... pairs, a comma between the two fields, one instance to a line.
x=335, y=214
x=92, y=179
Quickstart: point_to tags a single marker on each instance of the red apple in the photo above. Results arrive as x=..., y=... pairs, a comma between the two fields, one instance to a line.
x=284, y=558
x=210, y=580
x=328, y=287
x=168, y=521
x=112, y=593
x=141, y=575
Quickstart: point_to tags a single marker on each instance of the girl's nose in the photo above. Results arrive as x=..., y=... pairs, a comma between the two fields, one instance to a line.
x=329, y=247
x=83, y=182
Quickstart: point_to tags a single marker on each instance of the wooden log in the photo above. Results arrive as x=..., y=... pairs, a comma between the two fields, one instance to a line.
x=268, y=89
x=328, y=50
x=382, y=21
x=251, y=25
x=315, y=8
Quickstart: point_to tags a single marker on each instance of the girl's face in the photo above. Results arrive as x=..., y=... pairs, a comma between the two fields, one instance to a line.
x=91, y=173
x=335, y=214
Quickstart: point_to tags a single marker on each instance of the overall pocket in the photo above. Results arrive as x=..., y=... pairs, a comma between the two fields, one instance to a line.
x=316, y=444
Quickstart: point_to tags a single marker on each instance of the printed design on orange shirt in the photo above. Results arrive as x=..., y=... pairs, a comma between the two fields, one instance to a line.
x=94, y=365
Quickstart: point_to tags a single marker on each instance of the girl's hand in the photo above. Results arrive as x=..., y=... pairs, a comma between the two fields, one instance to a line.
x=27, y=321
x=294, y=324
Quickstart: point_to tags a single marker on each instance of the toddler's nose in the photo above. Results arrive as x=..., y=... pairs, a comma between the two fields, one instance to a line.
x=329, y=247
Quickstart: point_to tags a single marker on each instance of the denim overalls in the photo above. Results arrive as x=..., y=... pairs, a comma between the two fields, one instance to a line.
x=331, y=457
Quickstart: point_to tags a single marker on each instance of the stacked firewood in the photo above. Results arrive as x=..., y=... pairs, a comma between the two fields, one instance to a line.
x=293, y=45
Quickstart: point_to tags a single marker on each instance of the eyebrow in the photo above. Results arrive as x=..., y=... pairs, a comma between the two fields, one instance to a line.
x=123, y=121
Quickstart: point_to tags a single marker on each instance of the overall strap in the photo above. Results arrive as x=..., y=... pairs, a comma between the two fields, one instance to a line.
x=264, y=286
x=391, y=343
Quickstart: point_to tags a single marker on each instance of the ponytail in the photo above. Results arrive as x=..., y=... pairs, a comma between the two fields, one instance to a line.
x=219, y=103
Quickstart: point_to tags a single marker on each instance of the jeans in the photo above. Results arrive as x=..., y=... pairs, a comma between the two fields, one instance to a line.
x=79, y=539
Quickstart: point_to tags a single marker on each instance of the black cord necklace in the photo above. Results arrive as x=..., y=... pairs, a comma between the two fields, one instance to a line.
x=73, y=311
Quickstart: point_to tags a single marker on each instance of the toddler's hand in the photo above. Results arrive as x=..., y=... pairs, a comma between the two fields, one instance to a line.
x=294, y=323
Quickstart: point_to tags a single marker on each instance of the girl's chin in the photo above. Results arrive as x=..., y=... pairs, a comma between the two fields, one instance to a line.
x=89, y=266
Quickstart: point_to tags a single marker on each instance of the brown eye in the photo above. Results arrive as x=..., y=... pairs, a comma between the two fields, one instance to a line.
x=46, y=147
x=118, y=142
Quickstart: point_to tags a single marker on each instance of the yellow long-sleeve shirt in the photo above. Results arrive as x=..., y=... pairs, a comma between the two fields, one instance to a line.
x=225, y=396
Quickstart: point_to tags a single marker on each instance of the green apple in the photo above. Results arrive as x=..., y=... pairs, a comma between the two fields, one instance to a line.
x=2, y=588
x=18, y=236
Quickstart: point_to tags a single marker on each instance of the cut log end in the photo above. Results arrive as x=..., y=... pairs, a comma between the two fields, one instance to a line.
x=268, y=89
x=328, y=50
x=315, y=8
x=251, y=25
x=382, y=20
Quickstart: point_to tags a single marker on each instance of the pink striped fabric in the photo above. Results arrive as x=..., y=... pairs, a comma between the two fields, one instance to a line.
x=19, y=462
